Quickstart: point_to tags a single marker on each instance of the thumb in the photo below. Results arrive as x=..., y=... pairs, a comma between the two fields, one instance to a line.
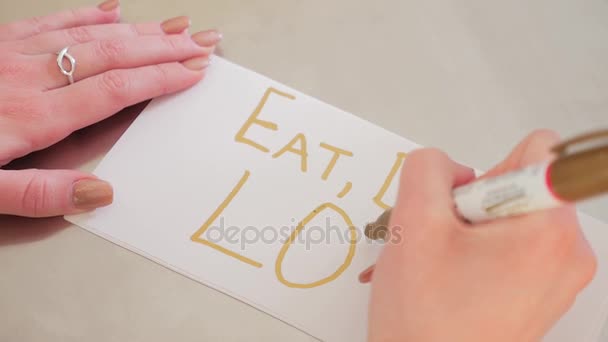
x=45, y=193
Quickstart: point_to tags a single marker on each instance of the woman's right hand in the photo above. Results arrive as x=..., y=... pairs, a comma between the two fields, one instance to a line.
x=117, y=65
x=445, y=280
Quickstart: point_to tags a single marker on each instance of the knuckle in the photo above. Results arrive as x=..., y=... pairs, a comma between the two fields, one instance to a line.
x=79, y=34
x=36, y=24
x=134, y=28
x=111, y=50
x=172, y=43
x=115, y=84
x=39, y=25
x=33, y=197
x=162, y=79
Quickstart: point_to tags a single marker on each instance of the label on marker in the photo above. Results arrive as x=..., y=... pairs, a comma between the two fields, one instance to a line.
x=514, y=193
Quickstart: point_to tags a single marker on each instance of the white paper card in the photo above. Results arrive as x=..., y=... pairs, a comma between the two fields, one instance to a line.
x=212, y=182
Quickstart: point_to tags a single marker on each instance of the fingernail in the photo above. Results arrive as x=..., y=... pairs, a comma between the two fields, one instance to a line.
x=196, y=63
x=108, y=5
x=207, y=38
x=176, y=25
x=366, y=276
x=91, y=194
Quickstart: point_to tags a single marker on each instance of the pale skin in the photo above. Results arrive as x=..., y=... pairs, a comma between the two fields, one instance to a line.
x=118, y=65
x=508, y=280
x=446, y=280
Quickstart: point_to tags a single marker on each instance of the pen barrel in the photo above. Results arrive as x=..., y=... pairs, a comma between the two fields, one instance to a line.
x=580, y=176
x=511, y=194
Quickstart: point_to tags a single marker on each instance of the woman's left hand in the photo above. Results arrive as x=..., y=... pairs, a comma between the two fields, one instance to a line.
x=117, y=65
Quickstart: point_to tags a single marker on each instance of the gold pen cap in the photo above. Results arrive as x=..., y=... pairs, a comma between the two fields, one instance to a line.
x=580, y=173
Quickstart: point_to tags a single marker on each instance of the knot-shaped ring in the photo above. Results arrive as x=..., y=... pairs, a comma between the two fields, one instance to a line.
x=64, y=54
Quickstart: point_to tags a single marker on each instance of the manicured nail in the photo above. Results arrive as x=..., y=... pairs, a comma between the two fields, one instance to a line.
x=196, y=63
x=91, y=193
x=108, y=5
x=176, y=25
x=207, y=38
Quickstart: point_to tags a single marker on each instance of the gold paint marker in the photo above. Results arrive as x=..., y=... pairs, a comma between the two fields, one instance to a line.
x=575, y=175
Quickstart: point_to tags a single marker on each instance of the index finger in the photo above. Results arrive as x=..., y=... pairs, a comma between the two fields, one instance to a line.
x=427, y=180
x=107, y=12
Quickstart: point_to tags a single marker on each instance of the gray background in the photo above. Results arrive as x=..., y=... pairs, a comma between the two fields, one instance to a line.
x=471, y=77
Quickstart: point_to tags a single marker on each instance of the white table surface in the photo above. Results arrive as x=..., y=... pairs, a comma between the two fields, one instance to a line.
x=471, y=77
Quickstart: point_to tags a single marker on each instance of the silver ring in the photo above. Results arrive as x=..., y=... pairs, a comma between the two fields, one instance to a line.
x=64, y=54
